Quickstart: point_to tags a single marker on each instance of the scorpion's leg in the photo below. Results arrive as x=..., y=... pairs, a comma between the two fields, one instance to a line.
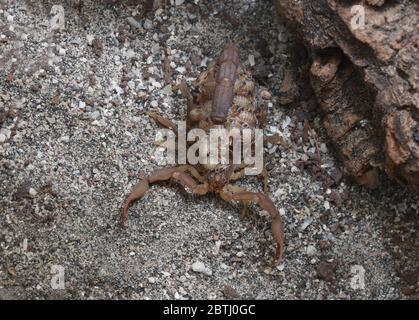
x=264, y=175
x=190, y=102
x=175, y=173
x=163, y=121
x=265, y=203
x=193, y=172
x=245, y=204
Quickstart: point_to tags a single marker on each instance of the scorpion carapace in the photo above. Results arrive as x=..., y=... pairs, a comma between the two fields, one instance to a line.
x=228, y=96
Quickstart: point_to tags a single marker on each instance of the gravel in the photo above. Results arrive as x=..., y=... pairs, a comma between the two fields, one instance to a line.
x=75, y=137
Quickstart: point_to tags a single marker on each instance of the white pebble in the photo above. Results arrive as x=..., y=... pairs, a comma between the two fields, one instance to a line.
x=32, y=192
x=294, y=169
x=25, y=244
x=327, y=205
x=251, y=60
x=57, y=21
x=311, y=251
x=200, y=268
x=133, y=23
x=148, y=24
x=306, y=223
x=181, y=69
x=89, y=39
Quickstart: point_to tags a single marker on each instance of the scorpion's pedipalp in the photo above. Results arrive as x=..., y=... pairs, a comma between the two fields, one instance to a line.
x=163, y=121
x=176, y=173
x=265, y=203
x=183, y=87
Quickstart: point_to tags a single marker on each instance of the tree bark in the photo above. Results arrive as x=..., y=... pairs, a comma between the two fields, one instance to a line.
x=365, y=76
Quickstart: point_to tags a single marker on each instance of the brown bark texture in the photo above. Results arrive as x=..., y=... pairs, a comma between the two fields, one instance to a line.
x=365, y=75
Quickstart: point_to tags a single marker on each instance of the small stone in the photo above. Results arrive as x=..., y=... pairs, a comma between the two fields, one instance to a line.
x=411, y=277
x=181, y=69
x=152, y=280
x=148, y=24
x=57, y=21
x=327, y=205
x=2, y=138
x=154, y=104
x=182, y=291
x=265, y=94
x=6, y=133
x=97, y=46
x=358, y=278
x=134, y=24
x=179, y=2
x=407, y=291
x=25, y=244
x=324, y=244
x=230, y=293
x=196, y=59
x=311, y=251
x=61, y=52
x=286, y=123
x=251, y=60
x=89, y=39
x=94, y=115
x=282, y=37
x=306, y=223
x=325, y=270
x=199, y=267
x=32, y=192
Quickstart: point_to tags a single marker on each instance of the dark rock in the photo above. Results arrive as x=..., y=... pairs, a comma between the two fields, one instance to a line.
x=325, y=270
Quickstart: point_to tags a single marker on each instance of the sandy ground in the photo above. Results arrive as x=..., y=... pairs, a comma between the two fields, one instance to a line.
x=75, y=136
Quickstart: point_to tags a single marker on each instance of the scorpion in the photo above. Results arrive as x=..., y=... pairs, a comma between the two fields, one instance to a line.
x=226, y=98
